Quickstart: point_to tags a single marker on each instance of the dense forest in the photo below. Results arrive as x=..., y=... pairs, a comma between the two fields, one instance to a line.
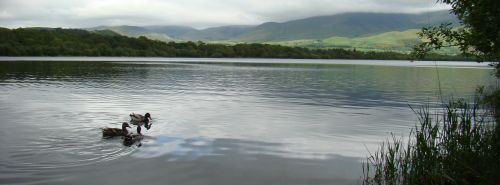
x=75, y=42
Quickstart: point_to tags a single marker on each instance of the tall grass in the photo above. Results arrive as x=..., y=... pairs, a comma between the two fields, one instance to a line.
x=457, y=143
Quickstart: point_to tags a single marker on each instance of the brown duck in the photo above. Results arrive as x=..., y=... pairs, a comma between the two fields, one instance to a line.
x=130, y=139
x=111, y=132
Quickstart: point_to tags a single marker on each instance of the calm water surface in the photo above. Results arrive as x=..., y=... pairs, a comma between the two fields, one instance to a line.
x=216, y=121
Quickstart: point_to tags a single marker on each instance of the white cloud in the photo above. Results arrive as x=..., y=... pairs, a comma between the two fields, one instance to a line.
x=198, y=13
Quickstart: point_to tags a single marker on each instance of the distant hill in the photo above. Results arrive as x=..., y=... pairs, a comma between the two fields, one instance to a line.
x=370, y=31
x=134, y=31
x=172, y=31
x=399, y=41
x=124, y=30
x=321, y=27
x=344, y=25
x=178, y=33
x=218, y=33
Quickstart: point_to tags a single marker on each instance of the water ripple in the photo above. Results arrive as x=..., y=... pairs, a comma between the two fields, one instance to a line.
x=51, y=112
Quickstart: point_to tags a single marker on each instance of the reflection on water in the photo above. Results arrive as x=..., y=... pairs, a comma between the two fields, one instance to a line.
x=214, y=122
x=219, y=161
x=178, y=148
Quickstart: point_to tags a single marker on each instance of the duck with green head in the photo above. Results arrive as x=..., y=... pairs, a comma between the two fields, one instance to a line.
x=139, y=120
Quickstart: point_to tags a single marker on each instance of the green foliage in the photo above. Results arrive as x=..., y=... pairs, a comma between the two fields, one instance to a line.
x=492, y=100
x=460, y=145
x=396, y=41
x=479, y=35
x=73, y=42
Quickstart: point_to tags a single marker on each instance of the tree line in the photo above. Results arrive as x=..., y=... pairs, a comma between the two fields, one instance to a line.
x=76, y=42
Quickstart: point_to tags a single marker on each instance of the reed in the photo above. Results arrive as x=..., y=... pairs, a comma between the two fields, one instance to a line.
x=457, y=143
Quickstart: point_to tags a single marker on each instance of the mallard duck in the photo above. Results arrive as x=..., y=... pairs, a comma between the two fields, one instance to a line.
x=130, y=139
x=111, y=132
x=137, y=119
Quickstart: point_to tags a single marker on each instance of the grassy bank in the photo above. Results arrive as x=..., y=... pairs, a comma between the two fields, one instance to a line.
x=458, y=143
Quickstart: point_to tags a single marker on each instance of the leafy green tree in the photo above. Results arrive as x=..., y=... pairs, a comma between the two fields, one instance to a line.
x=478, y=35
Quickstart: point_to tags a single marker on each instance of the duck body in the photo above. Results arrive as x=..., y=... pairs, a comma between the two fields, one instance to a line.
x=139, y=120
x=130, y=139
x=112, y=132
x=136, y=119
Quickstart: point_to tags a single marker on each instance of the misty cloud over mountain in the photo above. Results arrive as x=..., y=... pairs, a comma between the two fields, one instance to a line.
x=194, y=13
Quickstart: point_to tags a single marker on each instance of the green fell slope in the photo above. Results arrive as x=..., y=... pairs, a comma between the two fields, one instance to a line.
x=397, y=41
x=344, y=25
x=322, y=27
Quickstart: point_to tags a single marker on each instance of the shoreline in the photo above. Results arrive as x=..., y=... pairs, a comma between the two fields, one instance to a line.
x=254, y=60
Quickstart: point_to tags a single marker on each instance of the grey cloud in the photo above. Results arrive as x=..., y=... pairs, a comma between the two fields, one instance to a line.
x=198, y=13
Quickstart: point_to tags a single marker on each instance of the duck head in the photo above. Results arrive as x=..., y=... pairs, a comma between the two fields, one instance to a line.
x=147, y=115
x=125, y=125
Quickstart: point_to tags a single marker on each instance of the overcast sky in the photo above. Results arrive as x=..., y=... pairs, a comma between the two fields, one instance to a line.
x=196, y=13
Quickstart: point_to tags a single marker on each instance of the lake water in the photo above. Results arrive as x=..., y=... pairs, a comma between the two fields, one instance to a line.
x=215, y=121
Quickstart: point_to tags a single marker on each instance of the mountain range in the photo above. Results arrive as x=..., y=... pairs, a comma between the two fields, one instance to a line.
x=307, y=32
